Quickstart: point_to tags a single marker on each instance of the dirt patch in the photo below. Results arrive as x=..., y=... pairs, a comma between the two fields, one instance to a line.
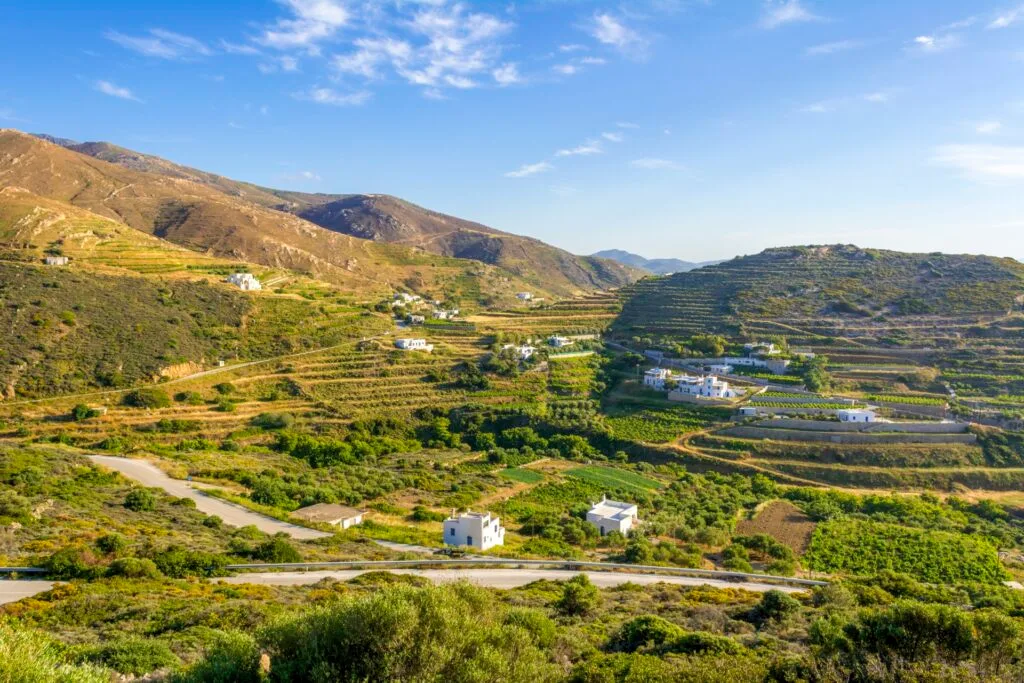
x=783, y=522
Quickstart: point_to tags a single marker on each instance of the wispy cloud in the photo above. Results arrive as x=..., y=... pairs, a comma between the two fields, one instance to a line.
x=237, y=48
x=507, y=74
x=877, y=97
x=586, y=149
x=161, y=44
x=565, y=69
x=333, y=97
x=573, y=47
x=627, y=125
x=837, y=103
x=613, y=137
x=934, y=43
x=1008, y=18
x=311, y=22
x=655, y=164
x=610, y=30
x=984, y=163
x=530, y=169
x=832, y=48
x=108, y=88
x=781, y=12
x=988, y=127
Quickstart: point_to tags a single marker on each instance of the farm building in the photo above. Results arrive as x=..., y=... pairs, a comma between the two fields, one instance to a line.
x=416, y=319
x=721, y=369
x=857, y=415
x=524, y=296
x=475, y=529
x=414, y=345
x=777, y=366
x=748, y=411
x=442, y=314
x=245, y=281
x=708, y=386
x=56, y=260
x=406, y=298
x=655, y=378
x=329, y=513
x=761, y=348
x=522, y=352
x=559, y=342
x=612, y=515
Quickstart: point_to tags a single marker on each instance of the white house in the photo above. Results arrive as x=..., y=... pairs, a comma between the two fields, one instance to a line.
x=524, y=296
x=559, y=342
x=414, y=345
x=56, y=260
x=442, y=314
x=721, y=369
x=476, y=529
x=748, y=411
x=708, y=386
x=245, y=281
x=777, y=366
x=612, y=515
x=329, y=513
x=765, y=348
x=857, y=415
x=655, y=378
x=406, y=298
x=416, y=319
x=522, y=352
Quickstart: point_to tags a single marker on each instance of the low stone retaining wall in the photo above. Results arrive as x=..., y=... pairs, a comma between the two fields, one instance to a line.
x=864, y=427
x=743, y=432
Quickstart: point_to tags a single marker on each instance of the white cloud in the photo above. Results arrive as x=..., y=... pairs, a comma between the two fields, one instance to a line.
x=108, y=88
x=333, y=97
x=312, y=22
x=594, y=61
x=823, y=107
x=529, y=169
x=289, y=63
x=627, y=124
x=784, y=12
x=1008, y=18
x=237, y=49
x=161, y=44
x=988, y=127
x=371, y=54
x=832, y=48
x=574, y=47
x=837, y=103
x=613, y=137
x=507, y=74
x=878, y=97
x=565, y=69
x=935, y=43
x=586, y=149
x=611, y=30
x=653, y=164
x=309, y=175
x=985, y=163
x=957, y=25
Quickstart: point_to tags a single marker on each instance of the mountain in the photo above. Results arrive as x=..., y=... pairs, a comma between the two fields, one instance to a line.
x=386, y=219
x=812, y=286
x=658, y=266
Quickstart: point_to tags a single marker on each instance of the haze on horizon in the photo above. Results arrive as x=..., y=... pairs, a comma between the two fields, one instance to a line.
x=669, y=128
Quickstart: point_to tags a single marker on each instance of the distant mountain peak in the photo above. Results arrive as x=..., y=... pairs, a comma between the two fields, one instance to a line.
x=661, y=266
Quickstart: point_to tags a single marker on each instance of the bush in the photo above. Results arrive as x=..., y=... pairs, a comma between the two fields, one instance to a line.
x=133, y=568
x=775, y=606
x=111, y=544
x=179, y=563
x=140, y=500
x=70, y=563
x=31, y=657
x=135, y=656
x=579, y=596
x=273, y=420
x=541, y=629
x=147, y=398
x=277, y=550
x=83, y=412
x=192, y=398
x=233, y=658
x=648, y=632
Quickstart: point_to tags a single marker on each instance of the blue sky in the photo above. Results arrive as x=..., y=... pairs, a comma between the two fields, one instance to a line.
x=671, y=128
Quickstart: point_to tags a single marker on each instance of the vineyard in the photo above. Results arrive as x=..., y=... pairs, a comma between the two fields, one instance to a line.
x=656, y=426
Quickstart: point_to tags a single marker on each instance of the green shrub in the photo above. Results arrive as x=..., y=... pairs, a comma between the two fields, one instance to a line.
x=70, y=563
x=179, y=563
x=135, y=656
x=234, y=657
x=31, y=657
x=140, y=500
x=277, y=550
x=579, y=596
x=111, y=544
x=133, y=568
x=273, y=420
x=83, y=412
x=776, y=606
x=147, y=398
x=541, y=629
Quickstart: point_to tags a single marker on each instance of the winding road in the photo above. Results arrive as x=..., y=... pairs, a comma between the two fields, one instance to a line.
x=503, y=578
x=149, y=474
x=12, y=590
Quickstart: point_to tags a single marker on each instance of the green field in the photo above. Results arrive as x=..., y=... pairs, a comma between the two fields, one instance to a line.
x=614, y=478
x=521, y=475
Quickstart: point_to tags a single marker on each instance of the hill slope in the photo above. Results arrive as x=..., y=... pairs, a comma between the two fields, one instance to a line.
x=656, y=266
x=386, y=219
x=807, y=283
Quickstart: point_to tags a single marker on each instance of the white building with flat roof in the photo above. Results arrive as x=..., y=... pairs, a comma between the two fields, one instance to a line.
x=708, y=386
x=524, y=296
x=56, y=260
x=245, y=281
x=474, y=529
x=407, y=298
x=329, y=513
x=857, y=415
x=443, y=314
x=655, y=378
x=559, y=342
x=523, y=352
x=612, y=515
x=414, y=345
x=721, y=369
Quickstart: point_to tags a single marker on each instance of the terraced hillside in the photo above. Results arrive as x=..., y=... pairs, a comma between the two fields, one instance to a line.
x=827, y=291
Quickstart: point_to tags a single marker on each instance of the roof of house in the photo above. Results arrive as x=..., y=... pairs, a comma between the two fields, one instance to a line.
x=613, y=509
x=326, y=512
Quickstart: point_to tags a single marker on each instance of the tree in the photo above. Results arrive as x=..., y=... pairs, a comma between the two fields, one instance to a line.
x=579, y=596
x=775, y=606
x=140, y=500
x=147, y=398
x=83, y=412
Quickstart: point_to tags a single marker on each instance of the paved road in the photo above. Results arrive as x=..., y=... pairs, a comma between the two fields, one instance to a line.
x=14, y=590
x=501, y=578
x=148, y=474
